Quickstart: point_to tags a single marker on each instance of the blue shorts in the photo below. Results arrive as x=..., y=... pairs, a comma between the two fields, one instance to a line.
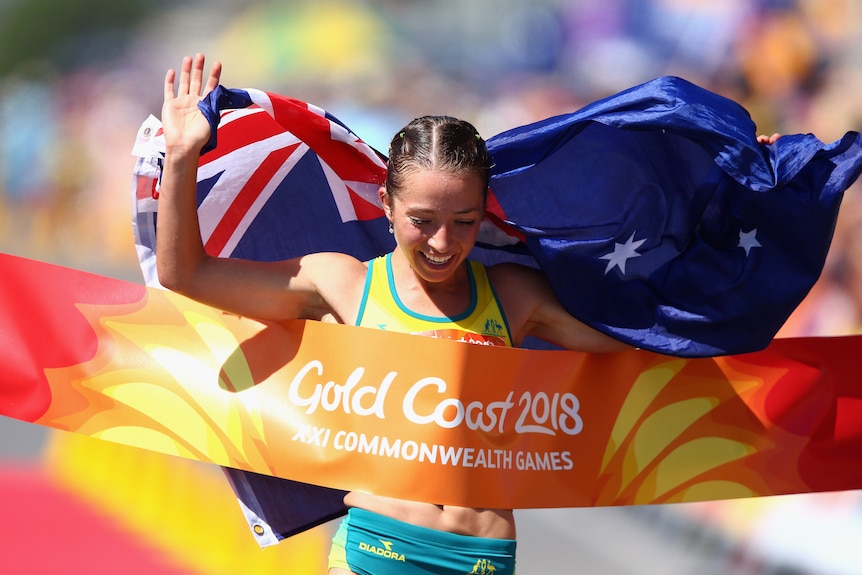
x=368, y=543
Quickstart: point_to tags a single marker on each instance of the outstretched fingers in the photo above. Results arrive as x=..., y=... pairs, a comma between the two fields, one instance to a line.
x=196, y=74
x=196, y=67
x=191, y=76
x=214, y=77
x=170, y=78
x=185, y=76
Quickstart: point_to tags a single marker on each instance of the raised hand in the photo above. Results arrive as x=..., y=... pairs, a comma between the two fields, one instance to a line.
x=185, y=127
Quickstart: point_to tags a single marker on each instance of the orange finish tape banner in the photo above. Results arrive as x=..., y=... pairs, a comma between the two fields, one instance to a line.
x=422, y=418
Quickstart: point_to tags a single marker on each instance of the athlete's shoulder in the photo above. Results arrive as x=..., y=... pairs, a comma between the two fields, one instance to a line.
x=334, y=274
x=510, y=273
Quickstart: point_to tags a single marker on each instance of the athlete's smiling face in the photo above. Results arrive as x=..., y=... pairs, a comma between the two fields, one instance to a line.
x=436, y=219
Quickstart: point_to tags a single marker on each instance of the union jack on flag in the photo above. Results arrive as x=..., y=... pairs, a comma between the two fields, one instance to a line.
x=261, y=184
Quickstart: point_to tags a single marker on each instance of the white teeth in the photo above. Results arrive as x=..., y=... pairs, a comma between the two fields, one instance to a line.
x=438, y=261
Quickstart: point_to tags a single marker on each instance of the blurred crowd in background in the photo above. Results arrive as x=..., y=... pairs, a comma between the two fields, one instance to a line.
x=77, y=79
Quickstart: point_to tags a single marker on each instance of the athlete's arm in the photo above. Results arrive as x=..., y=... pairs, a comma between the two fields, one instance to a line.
x=306, y=287
x=532, y=309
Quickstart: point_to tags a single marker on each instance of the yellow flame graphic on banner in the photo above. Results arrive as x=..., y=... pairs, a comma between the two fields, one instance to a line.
x=659, y=452
x=171, y=384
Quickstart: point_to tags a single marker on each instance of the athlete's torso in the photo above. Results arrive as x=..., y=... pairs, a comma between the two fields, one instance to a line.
x=483, y=322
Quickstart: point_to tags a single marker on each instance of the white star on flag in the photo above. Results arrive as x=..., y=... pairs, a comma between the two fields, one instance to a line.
x=622, y=253
x=748, y=240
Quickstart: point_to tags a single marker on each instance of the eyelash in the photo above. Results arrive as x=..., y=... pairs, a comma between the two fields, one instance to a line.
x=420, y=222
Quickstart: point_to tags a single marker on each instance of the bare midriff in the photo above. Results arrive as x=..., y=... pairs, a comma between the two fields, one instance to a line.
x=491, y=523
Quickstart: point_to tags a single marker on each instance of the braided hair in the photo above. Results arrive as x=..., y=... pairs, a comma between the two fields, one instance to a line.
x=436, y=143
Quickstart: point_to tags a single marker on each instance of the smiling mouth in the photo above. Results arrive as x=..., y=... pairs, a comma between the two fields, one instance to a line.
x=437, y=261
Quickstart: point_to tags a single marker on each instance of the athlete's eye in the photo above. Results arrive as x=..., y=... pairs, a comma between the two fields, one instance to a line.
x=418, y=221
x=466, y=223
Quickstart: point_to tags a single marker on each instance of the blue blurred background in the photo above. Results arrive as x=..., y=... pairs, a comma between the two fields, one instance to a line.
x=78, y=78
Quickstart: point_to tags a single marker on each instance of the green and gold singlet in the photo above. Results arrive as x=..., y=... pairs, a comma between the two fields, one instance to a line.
x=482, y=323
x=369, y=543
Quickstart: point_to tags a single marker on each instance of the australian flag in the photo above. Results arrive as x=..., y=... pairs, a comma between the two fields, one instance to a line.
x=660, y=220
x=655, y=214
